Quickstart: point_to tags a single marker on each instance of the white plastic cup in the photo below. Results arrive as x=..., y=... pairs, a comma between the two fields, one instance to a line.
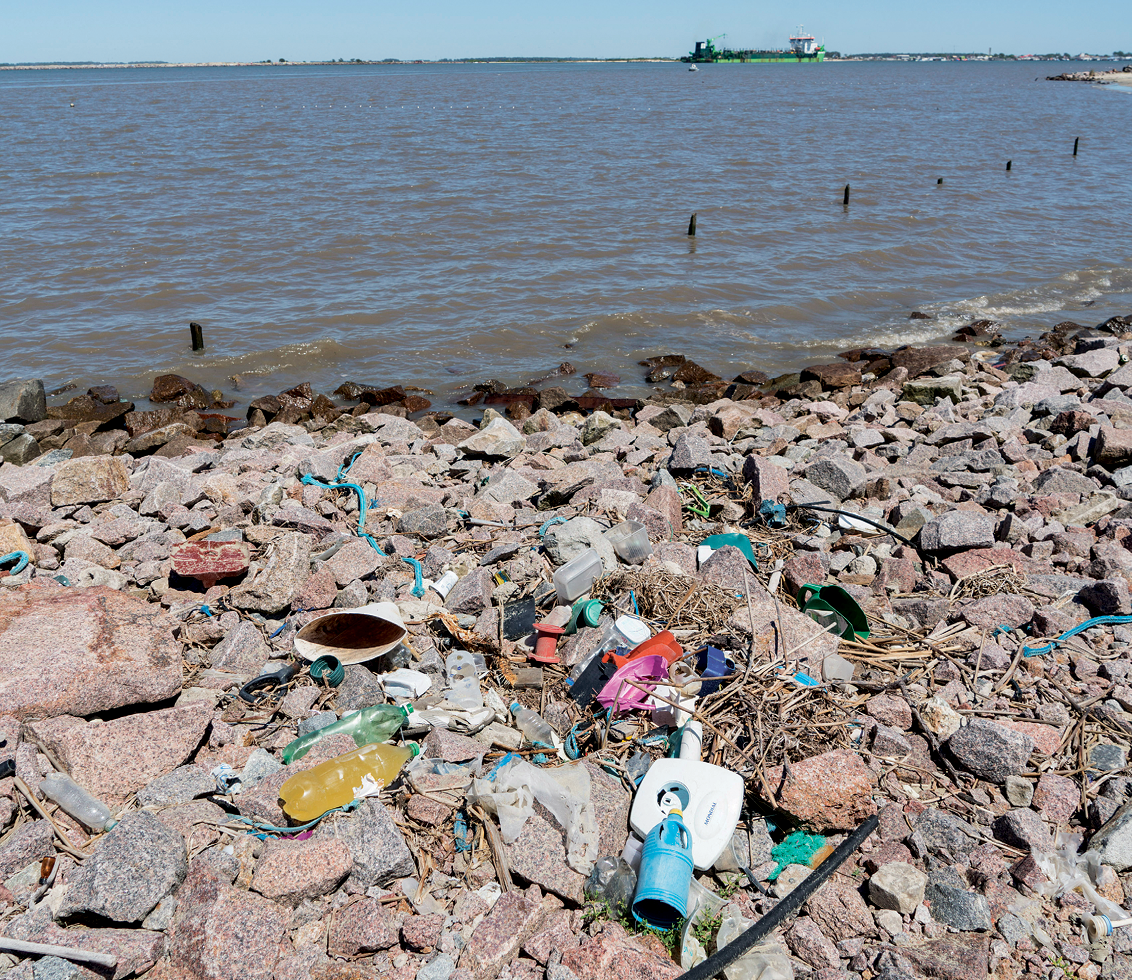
x=445, y=584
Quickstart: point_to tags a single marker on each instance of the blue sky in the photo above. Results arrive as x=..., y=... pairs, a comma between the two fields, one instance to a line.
x=208, y=30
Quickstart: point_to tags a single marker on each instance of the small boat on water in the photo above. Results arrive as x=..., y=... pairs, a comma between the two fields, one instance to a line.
x=693, y=68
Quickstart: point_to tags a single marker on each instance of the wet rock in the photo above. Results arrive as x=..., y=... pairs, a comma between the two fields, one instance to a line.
x=221, y=933
x=80, y=652
x=131, y=870
x=22, y=401
x=290, y=871
x=840, y=375
x=116, y=758
x=991, y=751
x=272, y=588
x=89, y=480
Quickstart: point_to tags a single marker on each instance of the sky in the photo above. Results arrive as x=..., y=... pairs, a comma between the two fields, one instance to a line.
x=253, y=30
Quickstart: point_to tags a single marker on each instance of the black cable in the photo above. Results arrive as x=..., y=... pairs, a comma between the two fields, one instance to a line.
x=912, y=542
x=715, y=963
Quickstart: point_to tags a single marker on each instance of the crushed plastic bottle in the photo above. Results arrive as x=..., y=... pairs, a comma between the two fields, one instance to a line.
x=533, y=726
x=612, y=881
x=463, y=677
x=332, y=784
x=375, y=724
x=75, y=801
x=764, y=962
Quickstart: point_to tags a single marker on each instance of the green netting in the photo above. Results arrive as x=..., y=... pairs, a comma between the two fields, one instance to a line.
x=798, y=848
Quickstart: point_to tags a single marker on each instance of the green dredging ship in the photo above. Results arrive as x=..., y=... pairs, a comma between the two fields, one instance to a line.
x=804, y=50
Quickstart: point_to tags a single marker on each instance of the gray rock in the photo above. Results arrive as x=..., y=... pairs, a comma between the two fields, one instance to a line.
x=958, y=907
x=596, y=426
x=258, y=766
x=941, y=831
x=1019, y=790
x=1013, y=928
x=439, y=968
x=277, y=434
x=1108, y=756
x=427, y=522
x=927, y=391
x=472, y=593
x=499, y=440
x=379, y=852
x=837, y=475
x=21, y=450
x=1107, y=598
x=991, y=751
x=1023, y=828
x=159, y=920
x=957, y=531
x=322, y=719
x=352, y=596
x=137, y=864
x=691, y=450
x=564, y=542
x=359, y=689
x=1091, y=364
x=1056, y=479
x=54, y=968
x=22, y=401
x=182, y=785
x=243, y=651
x=272, y=588
x=1113, y=840
x=897, y=886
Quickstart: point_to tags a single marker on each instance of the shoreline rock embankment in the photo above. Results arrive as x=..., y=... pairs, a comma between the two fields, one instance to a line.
x=175, y=553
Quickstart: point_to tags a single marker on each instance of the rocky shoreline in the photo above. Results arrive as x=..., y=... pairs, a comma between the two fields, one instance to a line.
x=1117, y=76
x=175, y=553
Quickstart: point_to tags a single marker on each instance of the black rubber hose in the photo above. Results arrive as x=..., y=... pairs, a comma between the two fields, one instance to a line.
x=715, y=963
x=912, y=542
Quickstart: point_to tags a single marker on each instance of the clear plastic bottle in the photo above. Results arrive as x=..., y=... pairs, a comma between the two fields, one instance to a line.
x=375, y=724
x=309, y=794
x=533, y=726
x=74, y=800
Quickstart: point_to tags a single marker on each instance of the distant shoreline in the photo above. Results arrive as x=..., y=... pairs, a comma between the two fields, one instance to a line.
x=518, y=61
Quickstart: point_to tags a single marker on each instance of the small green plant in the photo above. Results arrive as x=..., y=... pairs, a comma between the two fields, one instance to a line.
x=594, y=911
x=704, y=929
x=730, y=887
x=1061, y=964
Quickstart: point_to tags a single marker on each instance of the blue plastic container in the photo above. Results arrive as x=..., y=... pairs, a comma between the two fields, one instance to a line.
x=661, y=899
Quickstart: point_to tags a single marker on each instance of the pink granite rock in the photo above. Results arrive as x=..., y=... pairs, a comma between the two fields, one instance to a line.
x=222, y=933
x=1056, y=798
x=290, y=871
x=116, y=758
x=89, y=479
x=516, y=916
x=614, y=953
x=421, y=932
x=827, y=792
x=78, y=652
x=365, y=926
x=840, y=912
x=890, y=710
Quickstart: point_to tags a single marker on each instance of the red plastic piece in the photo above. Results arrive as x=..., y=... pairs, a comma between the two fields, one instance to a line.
x=662, y=645
x=546, y=649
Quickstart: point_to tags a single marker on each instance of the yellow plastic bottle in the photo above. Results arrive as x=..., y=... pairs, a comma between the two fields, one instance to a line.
x=309, y=794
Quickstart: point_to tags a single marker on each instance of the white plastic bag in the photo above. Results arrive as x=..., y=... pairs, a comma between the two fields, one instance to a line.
x=564, y=791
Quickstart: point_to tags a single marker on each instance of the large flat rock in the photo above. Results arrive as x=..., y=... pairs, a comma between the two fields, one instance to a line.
x=78, y=652
x=116, y=758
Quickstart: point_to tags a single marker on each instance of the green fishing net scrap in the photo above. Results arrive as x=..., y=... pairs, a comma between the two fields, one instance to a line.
x=798, y=848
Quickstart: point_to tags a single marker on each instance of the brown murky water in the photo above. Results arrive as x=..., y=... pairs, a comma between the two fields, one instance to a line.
x=436, y=225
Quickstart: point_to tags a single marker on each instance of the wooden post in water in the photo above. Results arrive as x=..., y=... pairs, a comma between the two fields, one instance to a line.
x=196, y=341
x=1076, y=146
x=940, y=179
x=846, y=195
x=1008, y=166
x=692, y=226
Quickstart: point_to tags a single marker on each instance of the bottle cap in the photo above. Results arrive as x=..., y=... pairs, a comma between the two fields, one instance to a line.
x=515, y=706
x=414, y=746
x=406, y=710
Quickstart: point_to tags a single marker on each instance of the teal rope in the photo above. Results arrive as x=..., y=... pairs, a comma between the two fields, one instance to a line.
x=552, y=521
x=1097, y=621
x=417, y=590
x=20, y=557
x=270, y=829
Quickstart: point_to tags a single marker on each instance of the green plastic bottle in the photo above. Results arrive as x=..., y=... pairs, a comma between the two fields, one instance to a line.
x=375, y=724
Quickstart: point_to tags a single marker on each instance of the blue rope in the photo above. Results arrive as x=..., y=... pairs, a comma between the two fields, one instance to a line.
x=269, y=828
x=550, y=523
x=417, y=590
x=21, y=558
x=1096, y=621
